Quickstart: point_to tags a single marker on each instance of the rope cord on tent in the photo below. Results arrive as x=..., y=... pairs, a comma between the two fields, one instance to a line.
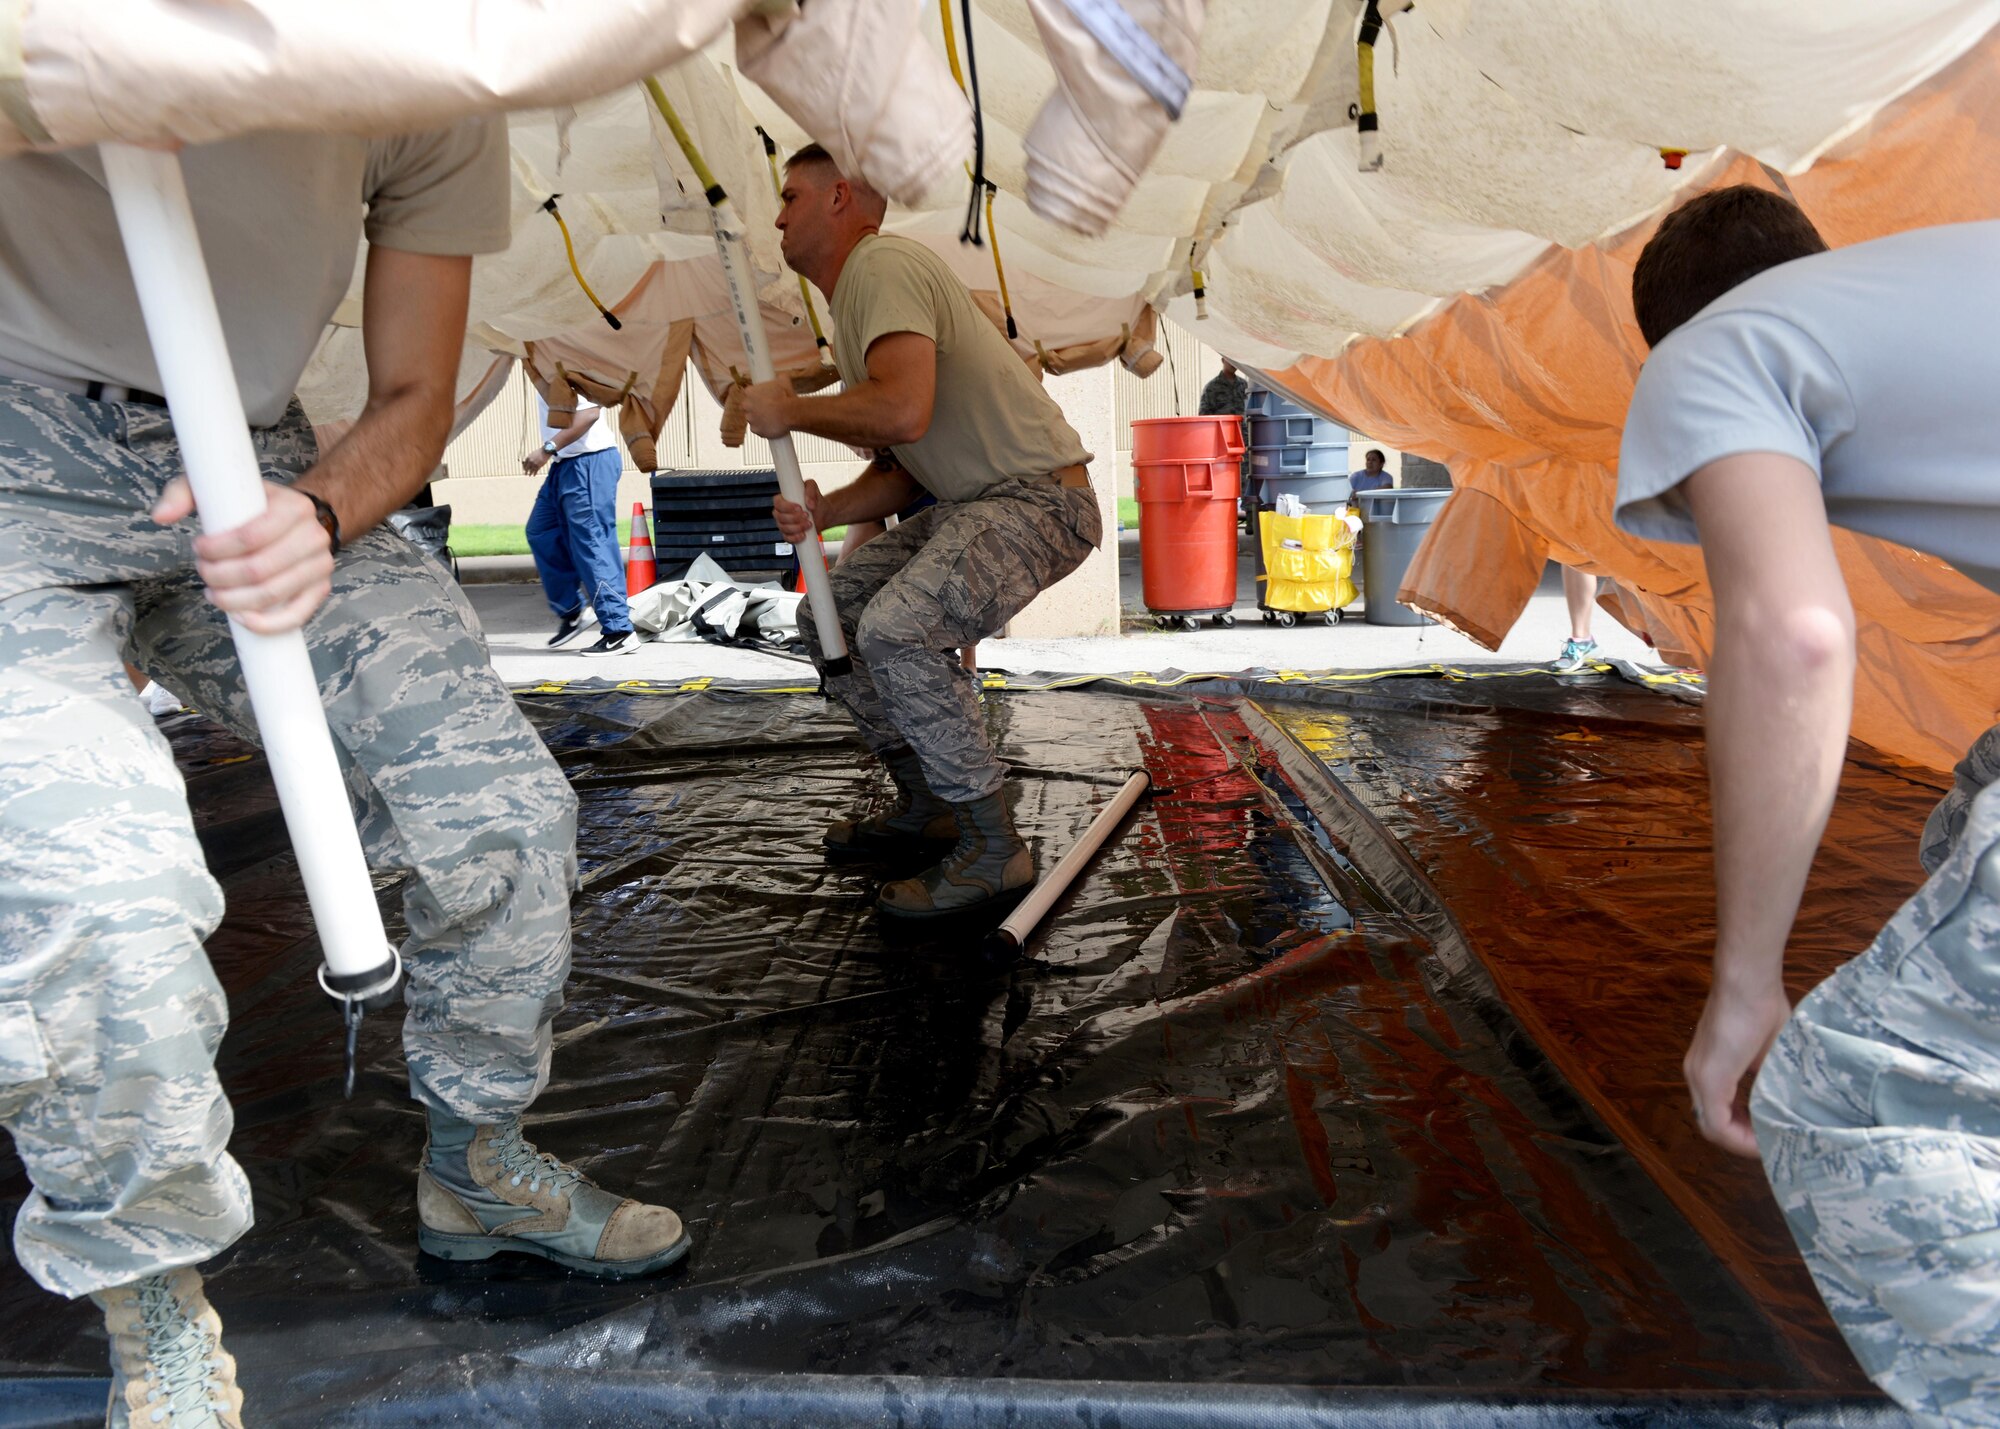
x=703, y=175
x=805, y=291
x=979, y=185
x=576, y=271
x=982, y=187
x=993, y=233
x=951, y=43
x=1366, y=121
x=1200, y=285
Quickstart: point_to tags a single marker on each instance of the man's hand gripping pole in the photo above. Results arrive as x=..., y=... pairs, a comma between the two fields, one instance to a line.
x=150, y=198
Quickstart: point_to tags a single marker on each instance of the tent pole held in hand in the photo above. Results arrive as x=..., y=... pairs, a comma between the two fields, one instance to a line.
x=150, y=197
x=1020, y=924
x=750, y=324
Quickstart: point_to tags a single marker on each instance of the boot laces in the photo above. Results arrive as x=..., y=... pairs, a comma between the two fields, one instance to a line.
x=177, y=1350
x=513, y=1153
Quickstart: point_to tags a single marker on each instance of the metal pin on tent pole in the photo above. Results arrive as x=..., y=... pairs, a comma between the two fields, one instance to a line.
x=750, y=323
x=1020, y=924
x=150, y=198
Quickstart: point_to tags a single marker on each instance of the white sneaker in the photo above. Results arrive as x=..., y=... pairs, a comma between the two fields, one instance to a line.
x=619, y=642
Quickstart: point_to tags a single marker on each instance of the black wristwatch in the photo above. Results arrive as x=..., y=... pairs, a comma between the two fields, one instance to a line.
x=329, y=522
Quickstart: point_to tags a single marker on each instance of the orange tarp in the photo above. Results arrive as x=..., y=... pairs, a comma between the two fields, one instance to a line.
x=1522, y=391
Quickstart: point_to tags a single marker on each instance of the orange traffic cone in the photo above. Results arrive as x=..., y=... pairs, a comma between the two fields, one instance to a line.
x=640, y=571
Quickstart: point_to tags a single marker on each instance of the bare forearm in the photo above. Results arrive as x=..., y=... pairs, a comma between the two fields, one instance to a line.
x=384, y=459
x=577, y=430
x=865, y=415
x=879, y=493
x=1780, y=694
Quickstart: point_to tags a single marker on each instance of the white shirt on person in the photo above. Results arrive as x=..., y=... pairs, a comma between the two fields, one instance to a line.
x=599, y=438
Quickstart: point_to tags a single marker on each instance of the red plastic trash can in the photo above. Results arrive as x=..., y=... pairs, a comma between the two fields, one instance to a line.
x=1187, y=540
x=1157, y=439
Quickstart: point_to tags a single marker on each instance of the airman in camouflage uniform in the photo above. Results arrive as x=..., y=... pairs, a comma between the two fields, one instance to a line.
x=110, y=1014
x=1785, y=388
x=949, y=576
x=934, y=387
x=1878, y=1119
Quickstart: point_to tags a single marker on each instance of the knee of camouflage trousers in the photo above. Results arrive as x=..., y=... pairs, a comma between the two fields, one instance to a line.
x=486, y=973
x=109, y=1012
x=1878, y=1119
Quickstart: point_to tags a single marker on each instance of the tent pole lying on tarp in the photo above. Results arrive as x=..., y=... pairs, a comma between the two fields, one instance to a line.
x=750, y=323
x=150, y=197
x=1015, y=931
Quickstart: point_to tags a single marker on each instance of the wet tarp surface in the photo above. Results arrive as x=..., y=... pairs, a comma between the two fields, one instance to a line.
x=1255, y=1109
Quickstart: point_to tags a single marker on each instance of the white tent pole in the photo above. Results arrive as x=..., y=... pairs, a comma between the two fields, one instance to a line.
x=791, y=481
x=1020, y=924
x=150, y=197
x=750, y=323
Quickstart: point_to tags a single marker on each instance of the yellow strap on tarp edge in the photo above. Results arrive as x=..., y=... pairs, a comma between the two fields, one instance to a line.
x=999, y=680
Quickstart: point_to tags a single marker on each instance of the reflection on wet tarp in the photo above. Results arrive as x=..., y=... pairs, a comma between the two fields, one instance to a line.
x=1239, y=1116
x=1574, y=856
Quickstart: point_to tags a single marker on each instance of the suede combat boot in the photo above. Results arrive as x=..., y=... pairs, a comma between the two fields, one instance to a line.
x=485, y=1190
x=917, y=820
x=168, y=1367
x=989, y=863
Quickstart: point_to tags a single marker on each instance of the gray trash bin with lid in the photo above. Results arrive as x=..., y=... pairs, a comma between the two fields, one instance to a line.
x=1394, y=524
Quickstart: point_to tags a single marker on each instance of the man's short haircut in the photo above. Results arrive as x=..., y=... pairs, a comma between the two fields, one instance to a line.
x=1375, y=451
x=870, y=198
x=1710, y=244
x=811, y=154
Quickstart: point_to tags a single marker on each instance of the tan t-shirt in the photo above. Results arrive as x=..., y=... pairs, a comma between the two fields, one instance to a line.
x=991, y=421
x=280, y=216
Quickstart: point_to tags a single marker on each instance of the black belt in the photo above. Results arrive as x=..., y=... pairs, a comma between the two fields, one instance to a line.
x=95, y=392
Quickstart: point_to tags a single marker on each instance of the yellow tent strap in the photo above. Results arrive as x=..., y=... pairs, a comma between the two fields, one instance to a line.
x=1366, y=123
x=1200, y=286
x=951, y=44
x=1000, y=273
x=569, y=247
x=805, y=290
x=711, y=190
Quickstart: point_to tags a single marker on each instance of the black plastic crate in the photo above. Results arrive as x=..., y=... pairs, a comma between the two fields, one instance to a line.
x=725, y=515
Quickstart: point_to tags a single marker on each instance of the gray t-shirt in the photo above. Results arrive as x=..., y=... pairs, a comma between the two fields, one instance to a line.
x=1876, y=365
x=280, y=216
x=990, y=421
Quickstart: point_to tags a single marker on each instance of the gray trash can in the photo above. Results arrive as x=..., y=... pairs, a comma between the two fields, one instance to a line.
x=1395, y=523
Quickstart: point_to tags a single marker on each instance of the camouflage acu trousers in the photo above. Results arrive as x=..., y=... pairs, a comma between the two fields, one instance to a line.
x=1878, y=1116
x=109, y=1012
x=950, y=576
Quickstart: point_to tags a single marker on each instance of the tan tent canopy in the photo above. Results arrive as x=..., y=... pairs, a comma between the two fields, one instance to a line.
x=1465, y=299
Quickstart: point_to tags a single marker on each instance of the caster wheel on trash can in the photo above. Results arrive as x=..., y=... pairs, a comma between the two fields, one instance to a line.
x=1190, y=622
x=1329, y=617
x=1227, y=622
x=1286, y=620
x=1269, y=617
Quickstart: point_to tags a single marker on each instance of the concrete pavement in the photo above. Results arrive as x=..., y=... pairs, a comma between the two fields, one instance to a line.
x=518, y=623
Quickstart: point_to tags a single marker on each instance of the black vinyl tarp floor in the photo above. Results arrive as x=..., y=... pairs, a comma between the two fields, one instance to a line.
x=1251, y=1131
